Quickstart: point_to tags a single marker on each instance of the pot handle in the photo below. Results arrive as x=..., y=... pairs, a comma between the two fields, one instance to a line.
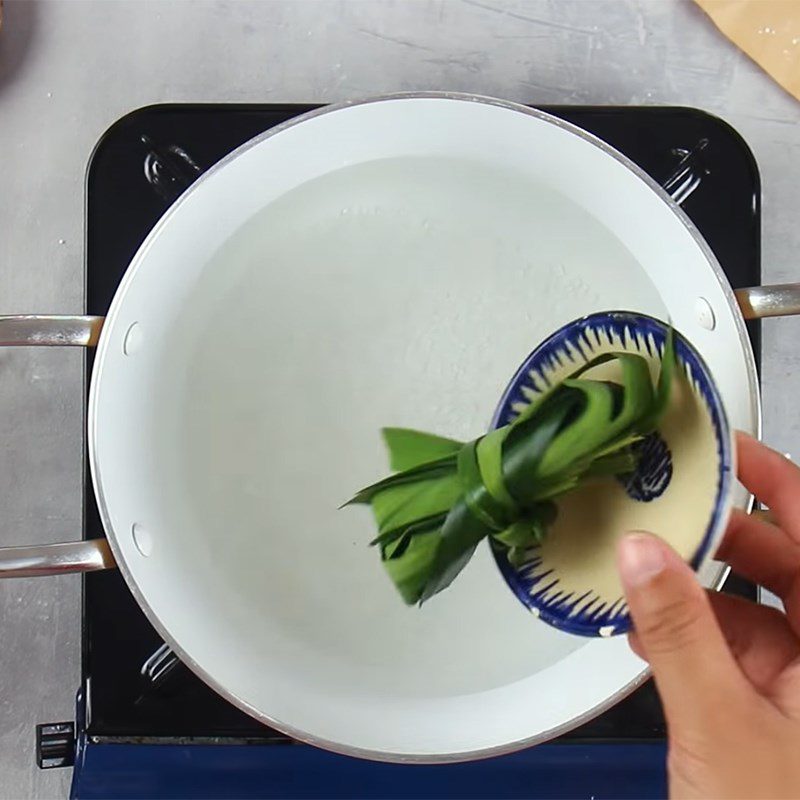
x=778, y=300
x=49, y=331
x=55, y=559
x=63, y=557
x=755, y=302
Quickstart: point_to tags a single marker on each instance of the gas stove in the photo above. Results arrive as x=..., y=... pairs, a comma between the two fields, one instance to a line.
x=145, y=725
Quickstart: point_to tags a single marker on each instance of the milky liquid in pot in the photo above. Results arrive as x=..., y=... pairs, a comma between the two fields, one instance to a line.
x=399, y=292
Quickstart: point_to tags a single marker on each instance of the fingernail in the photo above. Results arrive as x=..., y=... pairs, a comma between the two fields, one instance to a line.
x=640, y=558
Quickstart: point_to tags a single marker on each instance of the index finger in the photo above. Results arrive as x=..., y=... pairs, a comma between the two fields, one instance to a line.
x=774, y=479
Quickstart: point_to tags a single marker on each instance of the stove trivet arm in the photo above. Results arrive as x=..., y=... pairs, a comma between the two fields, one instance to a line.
x=63, y=557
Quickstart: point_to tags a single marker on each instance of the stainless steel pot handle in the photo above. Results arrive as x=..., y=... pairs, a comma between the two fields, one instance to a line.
x=63, y=557
x=50, y=331
x=755, y=302
x=55, y=559
x=779, y=300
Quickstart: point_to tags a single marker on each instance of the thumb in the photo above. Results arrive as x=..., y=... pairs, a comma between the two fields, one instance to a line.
x=692, y=665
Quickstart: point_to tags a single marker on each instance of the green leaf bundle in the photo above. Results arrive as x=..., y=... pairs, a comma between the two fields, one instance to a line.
x=446, y=496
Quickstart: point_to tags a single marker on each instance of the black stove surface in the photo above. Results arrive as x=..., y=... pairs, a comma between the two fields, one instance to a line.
x=133, y=687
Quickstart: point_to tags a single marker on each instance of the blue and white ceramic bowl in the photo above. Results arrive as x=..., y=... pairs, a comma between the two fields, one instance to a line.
x=681, y=490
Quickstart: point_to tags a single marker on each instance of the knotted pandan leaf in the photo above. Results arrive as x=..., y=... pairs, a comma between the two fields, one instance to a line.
x=446, y=496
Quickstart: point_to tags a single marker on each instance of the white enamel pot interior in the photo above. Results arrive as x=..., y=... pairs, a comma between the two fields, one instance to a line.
x=385, y=263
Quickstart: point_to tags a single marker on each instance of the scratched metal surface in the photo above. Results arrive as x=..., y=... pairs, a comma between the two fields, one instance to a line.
x=68, y=70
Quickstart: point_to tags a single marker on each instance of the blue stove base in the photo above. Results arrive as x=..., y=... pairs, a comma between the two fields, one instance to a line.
x=299, y=771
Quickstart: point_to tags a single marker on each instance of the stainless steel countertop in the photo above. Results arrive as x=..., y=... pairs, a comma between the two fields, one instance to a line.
x=69, y=69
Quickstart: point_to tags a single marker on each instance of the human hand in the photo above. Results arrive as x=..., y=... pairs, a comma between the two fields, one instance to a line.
x=727, y=670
